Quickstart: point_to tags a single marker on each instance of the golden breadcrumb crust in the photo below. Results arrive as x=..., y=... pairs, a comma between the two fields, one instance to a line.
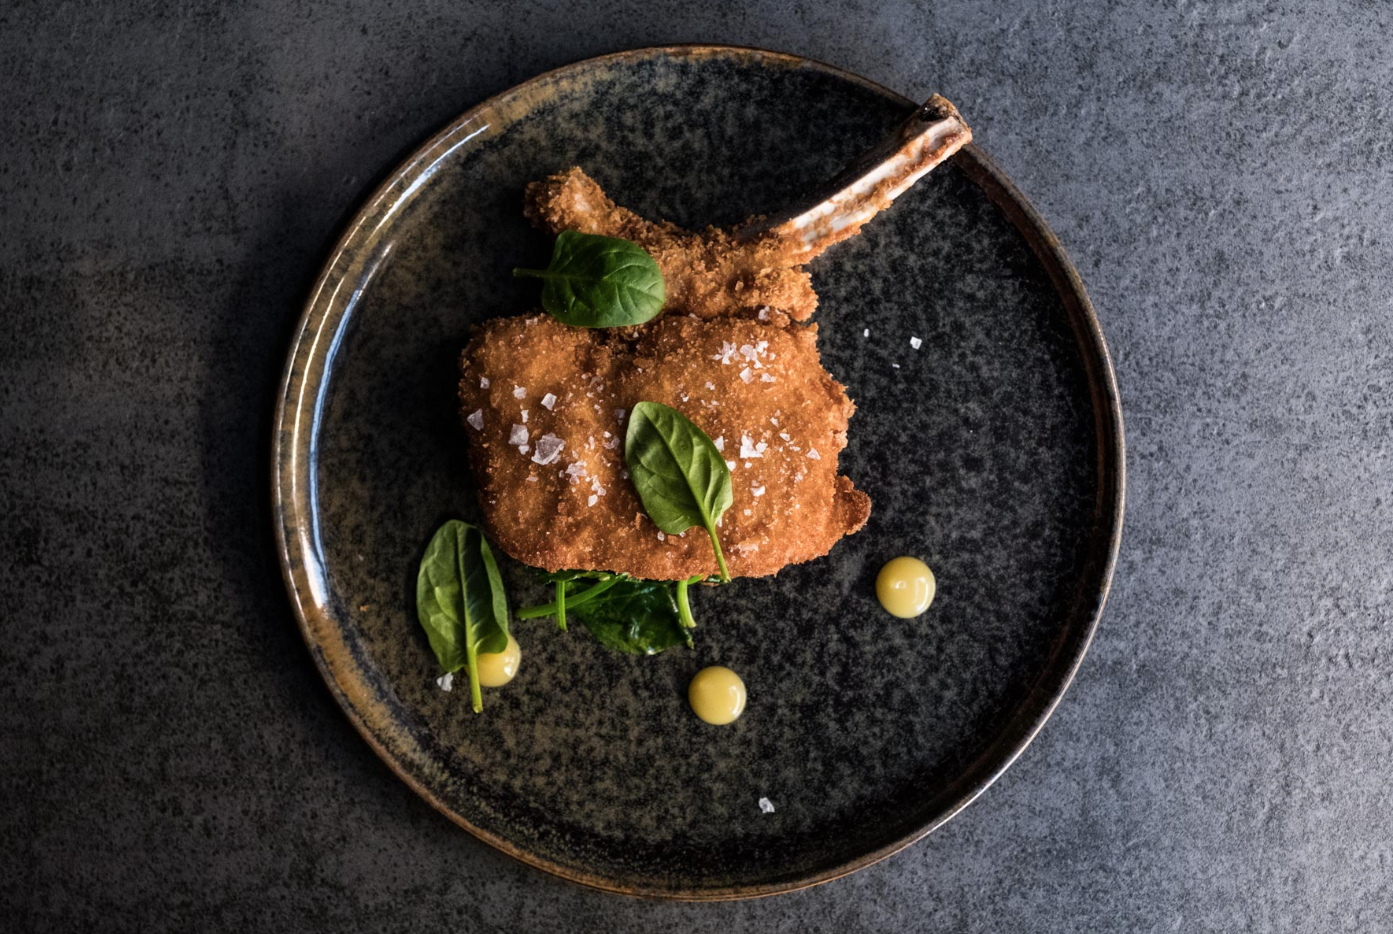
x=708, y=274
x=756, y=387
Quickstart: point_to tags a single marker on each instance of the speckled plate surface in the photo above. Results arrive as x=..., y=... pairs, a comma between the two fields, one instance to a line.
x=994, y=452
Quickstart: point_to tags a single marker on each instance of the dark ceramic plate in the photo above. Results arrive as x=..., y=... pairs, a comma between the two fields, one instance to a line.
x=994, y=452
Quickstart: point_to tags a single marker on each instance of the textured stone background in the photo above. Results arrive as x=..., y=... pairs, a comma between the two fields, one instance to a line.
x=170, y=179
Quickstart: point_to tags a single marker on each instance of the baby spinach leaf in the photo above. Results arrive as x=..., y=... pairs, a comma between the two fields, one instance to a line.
x=681, y=478
x=599, y=282
x=634, y=616
x=460, y=600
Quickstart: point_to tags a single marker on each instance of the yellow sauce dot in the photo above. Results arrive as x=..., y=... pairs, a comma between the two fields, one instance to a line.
x=905, y=587
x=497, y=668
x=717, y=695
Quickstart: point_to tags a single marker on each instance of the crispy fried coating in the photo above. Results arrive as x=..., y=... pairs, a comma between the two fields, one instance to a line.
x=545, y=409
x=708, y=274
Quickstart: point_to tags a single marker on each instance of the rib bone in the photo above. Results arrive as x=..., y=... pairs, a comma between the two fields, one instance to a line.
x=839, y=209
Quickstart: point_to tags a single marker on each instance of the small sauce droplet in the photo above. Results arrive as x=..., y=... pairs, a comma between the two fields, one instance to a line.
x=717, y=695
x=497, y=668
x=905, y=587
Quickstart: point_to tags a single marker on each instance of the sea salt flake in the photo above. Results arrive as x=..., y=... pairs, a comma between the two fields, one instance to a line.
x=757, y=491
x=720, y=442
x=593, y=500
x=662, y=537
x=518, y=392
x=524, y=448
x=766, y=805
x=765, y=378
x=710, y=385
x=866, y=332
x=484, y=382
x=549, y=401
x=916, y=343
x=446, y=681
x=895, y=365
x=524, y=416
x=730, y=465
x=784, y=435
x=774, y=422
x=531, y=479
x=476, y=419
x=548, y=449
x=813, y=455
x=576, y=471
x=519, y=435
x=748, y=513
x=727, y=351
x=749, y=449
x=746, y=375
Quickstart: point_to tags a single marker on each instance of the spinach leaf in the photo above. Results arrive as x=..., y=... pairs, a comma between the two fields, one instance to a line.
x=634, y=616
x=599, y=282
x=460, y=600
x=680, y=476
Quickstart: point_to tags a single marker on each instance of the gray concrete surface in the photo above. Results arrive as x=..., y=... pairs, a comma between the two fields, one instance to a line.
x=170, y=179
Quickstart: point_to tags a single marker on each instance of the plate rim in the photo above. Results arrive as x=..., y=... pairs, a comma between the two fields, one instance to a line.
x=293, y=456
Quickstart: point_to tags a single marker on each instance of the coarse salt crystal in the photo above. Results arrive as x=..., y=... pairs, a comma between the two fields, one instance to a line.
x=866, y=332
x=720, y=442
x=730, y=465
x=548, y=449
x=662, y=537
x=595, y=485
x=774, y=422
x=749, y=449
x=576, y=471
x=765, y=378
x=813, y=455
x=484, y=382
x=593, y=500
x=519, y=435
x=727, y=351
x=476, y=419
x=895, y=365
x=446, y=681
x=766, y=805
x=549, y=401
x=531, y=479
x=764, y=313
x=757, y=491
x=518, y=392
x=916, y=343
x=524, y=448
x=746, y=375
x=710, y=385
x=748, y=513
x=524, y=416
x=784, y=435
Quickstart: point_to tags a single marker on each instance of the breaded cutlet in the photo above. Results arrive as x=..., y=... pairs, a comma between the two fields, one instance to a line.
x=545, y=409
x=708, y=273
